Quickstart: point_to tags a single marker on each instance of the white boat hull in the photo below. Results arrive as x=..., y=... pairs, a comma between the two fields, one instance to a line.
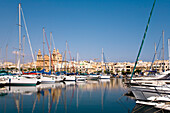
x=104, y=77
x=69, y=78
x=59, y=78
x=81, y=78
x=47, y=79
x=92, y=77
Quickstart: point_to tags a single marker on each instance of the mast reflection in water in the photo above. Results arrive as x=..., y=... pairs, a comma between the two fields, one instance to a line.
x=102, y=96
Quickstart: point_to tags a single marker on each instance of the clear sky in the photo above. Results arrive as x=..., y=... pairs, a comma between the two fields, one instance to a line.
x=117, y=26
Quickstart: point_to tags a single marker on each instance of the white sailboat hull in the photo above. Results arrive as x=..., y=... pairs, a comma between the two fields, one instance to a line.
x=92, y=77
x=81, y=78
x=59, y=78
x=69, y=78
x=47, y=79
x=104, y=77
x=21, y=81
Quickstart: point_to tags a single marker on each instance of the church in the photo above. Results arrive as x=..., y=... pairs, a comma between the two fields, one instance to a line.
x=56, y=59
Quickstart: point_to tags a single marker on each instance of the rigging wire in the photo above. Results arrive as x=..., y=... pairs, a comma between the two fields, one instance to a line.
x=155, y=53
x=28, y=37
x=49, y=49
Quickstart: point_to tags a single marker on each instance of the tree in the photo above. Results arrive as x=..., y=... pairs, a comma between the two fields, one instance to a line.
x=123, y=72
x=106, y=72
x=29, y=69
x=38, y=68
x=128, y=72
x=138, y=71
x=33, y=69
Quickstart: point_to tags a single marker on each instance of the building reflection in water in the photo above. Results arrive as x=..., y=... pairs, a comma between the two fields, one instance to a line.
x=96, y=96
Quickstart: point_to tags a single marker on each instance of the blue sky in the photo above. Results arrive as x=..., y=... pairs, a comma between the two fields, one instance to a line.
x=117, y=26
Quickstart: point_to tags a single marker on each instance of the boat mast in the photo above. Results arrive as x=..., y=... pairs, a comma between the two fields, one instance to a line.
x=28, y=38
x=155, y=59
x=0, y=59
x=50, y=52
x=23, y=45
x=6, y=55
x=19, y=36
x=65, y=57
x=43, y=50
x=102, y=62
x=77, y=62
x=163, y=50
x=169, y=51
x=155, y=52
x=57, y=62
x=143, y=39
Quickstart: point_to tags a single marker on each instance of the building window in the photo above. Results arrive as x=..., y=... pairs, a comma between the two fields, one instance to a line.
x=128, y=70
x=127, y=66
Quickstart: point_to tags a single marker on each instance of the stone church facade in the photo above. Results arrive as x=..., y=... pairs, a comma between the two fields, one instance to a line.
x=56, y=59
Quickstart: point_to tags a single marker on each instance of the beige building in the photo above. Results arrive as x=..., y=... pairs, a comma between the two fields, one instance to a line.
x=90, y=66
x=56, y=59
x=160, y=65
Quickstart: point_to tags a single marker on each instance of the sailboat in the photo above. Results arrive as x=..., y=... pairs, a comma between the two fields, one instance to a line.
x=79, y=78
x=157, y=80
x=155, y=95
x=2, y=82
x=57, y=78
x=19, y=79
x=68, y=77
x=46, y=78
x=103, y=76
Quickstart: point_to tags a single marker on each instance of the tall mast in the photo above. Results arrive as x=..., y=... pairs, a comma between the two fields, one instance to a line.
x=16, y=52
x=77, y=61
x=163, y=49
x=35, y=52
x=57, y=62
x=50, y=52
x=102, y=62
x=155, y=58
x=19, y=36
x=155, y=52
x=6, y=54
x=43, y=50
x=66, y=57
x=0, y=59
x=143, y=39
x=28, y=37
x=169, y=51
x=23, y=45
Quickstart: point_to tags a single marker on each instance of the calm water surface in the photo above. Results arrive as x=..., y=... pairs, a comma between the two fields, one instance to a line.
x=103, y=96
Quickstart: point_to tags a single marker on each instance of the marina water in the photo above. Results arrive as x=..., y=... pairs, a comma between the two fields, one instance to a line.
x=96, y=96
x=101, y=96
